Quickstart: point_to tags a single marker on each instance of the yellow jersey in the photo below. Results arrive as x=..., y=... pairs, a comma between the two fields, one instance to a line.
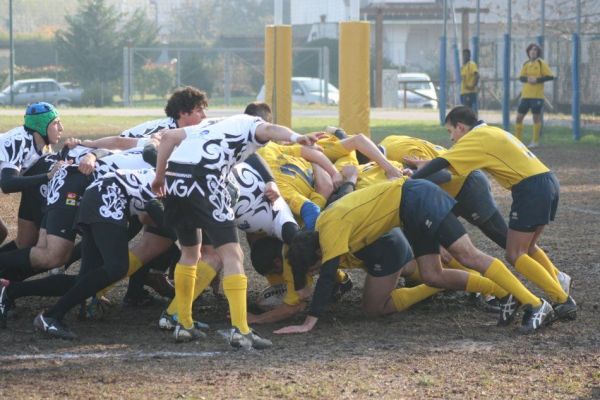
x=495, y=151
x=537, y=69
x=371, y=174
x=293, y=175
x=467, y=78
x=359, y=219
x=399, y=146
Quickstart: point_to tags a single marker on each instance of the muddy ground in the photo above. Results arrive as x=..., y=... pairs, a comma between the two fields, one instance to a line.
x=444, y=348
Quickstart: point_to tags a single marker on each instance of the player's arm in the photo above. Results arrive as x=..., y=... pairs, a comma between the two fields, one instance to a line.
x=475, y=79
x=279, y=133
x=169, y=140
x=283, y=311
x=115, y=143
x=321, y=298
x=12, y=182
x=317, y=157
x=435, y=165
x=366, y=146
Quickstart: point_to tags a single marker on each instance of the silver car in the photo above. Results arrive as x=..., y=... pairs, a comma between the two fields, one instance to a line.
x=28, y=91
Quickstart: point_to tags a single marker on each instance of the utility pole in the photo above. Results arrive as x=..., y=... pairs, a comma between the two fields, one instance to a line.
x=11, y=67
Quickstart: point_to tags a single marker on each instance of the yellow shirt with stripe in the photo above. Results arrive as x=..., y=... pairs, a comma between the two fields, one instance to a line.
x=293, y=175
x=537, y=69
x=495, y=151
x=371, y=174
x=467, y=77
x=359, y=219
x=399, y=146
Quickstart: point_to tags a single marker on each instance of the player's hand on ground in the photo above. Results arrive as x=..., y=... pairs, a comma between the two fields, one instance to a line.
x=307, y=326
x=87, y=164
x=272, y=191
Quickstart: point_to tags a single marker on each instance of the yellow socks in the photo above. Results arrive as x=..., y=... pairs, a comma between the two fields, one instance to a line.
x=235, y=288
x=479, y=284
x=537, y=128
x=545, y=262
x=537, y=274
x=134, y=265
x=185, y=280
x=519, y=131
x=498, y=272
x=204, y=276
x=454, y=264
x=404, y=298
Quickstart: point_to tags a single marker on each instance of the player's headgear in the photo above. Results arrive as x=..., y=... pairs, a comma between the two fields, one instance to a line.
x=38, y=116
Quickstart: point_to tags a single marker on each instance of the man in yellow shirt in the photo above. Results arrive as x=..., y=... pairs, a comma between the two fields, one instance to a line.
x=535, y=193
x=469, y=79
x=362, y=221
x=534, y=73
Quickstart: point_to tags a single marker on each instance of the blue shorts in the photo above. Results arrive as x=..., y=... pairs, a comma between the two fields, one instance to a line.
x=475, y=201
x=424, y=206
x=534, y=104
x=535, y=200
x=386, y=255
x=468, y=99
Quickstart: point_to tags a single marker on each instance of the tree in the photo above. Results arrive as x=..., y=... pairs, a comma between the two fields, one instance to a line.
x=92, y=45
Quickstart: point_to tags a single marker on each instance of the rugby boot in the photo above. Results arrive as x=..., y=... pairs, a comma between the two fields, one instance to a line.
x=249, y=341
x=535, y=318
x=508, y=309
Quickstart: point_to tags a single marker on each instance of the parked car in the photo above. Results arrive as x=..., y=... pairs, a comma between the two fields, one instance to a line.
x=28, y=91
x=307, y=90
x=418, y=90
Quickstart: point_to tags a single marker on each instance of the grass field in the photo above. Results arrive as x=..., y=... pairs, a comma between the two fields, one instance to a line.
x=444, y=348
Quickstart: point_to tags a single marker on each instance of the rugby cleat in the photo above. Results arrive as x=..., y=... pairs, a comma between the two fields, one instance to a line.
x=168, y=322
x=4, y=302
x=341, y=289
x=535, y=318
x=565, y=282
x=508, y=309
x=160, y=283
x=52, y=327
x=182, y=334
x=567, y=310
x=251, y=340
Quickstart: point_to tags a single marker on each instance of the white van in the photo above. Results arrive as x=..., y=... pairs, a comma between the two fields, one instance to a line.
x=415, y=89
x=307, y=90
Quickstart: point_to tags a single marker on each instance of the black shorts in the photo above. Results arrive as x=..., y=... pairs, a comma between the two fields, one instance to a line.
x=423, y=208
x=191, y=205
x=475, y=202
x=387, y=255
x=61, y=222
x=535, y=105
x=535, y=200
x=104, y=203
x=33, y=204
x=163, y=231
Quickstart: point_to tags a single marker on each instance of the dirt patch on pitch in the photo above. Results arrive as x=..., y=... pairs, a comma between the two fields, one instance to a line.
x=444, y=348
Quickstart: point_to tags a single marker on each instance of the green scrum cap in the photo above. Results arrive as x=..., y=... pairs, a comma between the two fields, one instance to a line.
x=38, y=116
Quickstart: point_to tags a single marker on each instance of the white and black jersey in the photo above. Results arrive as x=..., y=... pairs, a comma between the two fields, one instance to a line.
x=199, y=167
x=18, y=150
x=148, y=128
x=116, y=196
x=68, y=184
x=253, y=211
